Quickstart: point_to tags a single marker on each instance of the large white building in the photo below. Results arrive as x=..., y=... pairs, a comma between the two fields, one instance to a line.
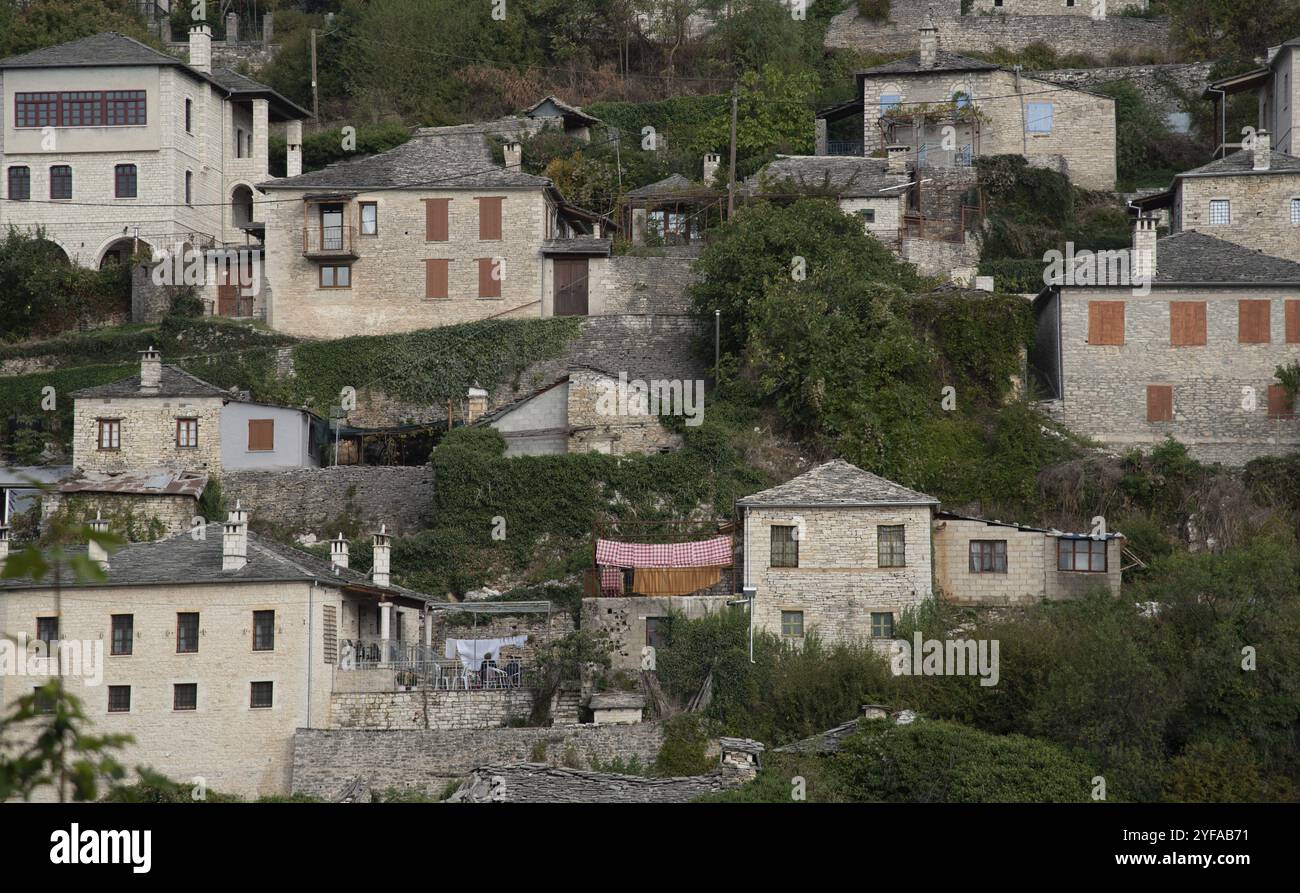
x=111, y=146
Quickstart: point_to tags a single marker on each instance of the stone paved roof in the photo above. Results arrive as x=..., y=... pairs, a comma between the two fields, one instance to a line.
x=670, y=185
x=1192, y=256
x=174, y=382
x=578, y=245
x=540, y=783
x=837, y=483
x=847, y=176
x=617, y=700
x=1243, y=162
x=944, y=61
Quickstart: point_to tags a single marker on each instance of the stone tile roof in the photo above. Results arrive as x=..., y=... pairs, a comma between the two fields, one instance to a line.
x=944, y=61
x=617, y=700
x=1243, y=162
x=569, y=110
x=846, y=176
x=174, y=382
x=837, y=483
x=670, y=185
x=1194, y=257
x=140, y=483
x=540, y=783
x=578, y=245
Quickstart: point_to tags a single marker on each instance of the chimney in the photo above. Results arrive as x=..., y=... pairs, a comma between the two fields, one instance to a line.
x=4, y=545
x=712, y=162
x=1263, y=150
x=514, y=154
x=382, y=550
x=929, y=42
x=150, y=371
x=1144, y=249
x=234, y=540
x=339, y=551
x=740, y=761
x=293, y=148
x=232, y=27
x=201, y=48
x=476, y=403
x=95, y=551
x=896, y=158
x=268, y=28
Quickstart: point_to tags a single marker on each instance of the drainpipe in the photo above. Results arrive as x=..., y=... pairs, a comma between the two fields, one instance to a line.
x=311, y=637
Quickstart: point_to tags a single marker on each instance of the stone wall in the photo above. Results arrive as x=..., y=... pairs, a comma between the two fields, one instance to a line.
x=325, y=761
x=631, y=284
x=305, y=499
x=593, y=426
x=448, y=711
x=955, y=260
x=147, y=434
x=1259, y=210
x=1158, y=84
x=540, y=783
x=624, y=619
x=538, y=627
x=154, y=516
x=1053, y=7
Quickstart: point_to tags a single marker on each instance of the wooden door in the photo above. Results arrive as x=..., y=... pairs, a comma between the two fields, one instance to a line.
x=571, y=286
x=227, y=291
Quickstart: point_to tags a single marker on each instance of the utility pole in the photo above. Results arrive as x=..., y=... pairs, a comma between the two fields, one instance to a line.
x=731, y=180
x=315, y=94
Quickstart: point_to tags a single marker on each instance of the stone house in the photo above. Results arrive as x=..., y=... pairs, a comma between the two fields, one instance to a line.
x=1276, y=86
x=1094, y=10
x=209, y=651
x=987, y=563
x=676, y=211
x=113, y=147
x=948, y=109
x=837, y=550
x=1192, y=357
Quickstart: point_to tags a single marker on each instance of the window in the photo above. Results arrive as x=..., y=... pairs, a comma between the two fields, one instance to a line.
x=882, y=625
x=489, y=219
x=264, y=631
x=1280, y=404
x=1083, y=555
x=20, y=183
x=1160, y=403
x=187, y=433
x=260, y=694
x=189, y=115
x=792, y=624
x=336, y=276
x=189, y=187
x=124, y=107
x=1292, y=315
x=369, y=219
x=1253, y=322
x=656, y=629
x=36, y=109
x=1106, y=322
x=261, y=435
x=110, y=434
x=60, y=181
x=248, y=137
x=119, y=699
x=185, y=696
x=1038, y=117
x=43, y=702
x=961, y=99
x=988, y=556
x=124, y=181
x=123, y=640
x=239, y=142
x=785, y=546
x=868, y=215
x=889, y=101
x=47, y=629
x=891, y=546
x=435, y=219
x=82, y=109
x=187, y=633
x=491, y=270
x=1295, y=210
x=1187, y=323
x=1220, y=212
x=435, y=278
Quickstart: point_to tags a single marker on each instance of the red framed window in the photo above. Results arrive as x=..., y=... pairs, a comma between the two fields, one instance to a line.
x=82, y=109
x=36, y=109
x=60, y=181
x=187, y=433
x=124, y=181
x=124, y=108
x=20, y=183
x=110, y=434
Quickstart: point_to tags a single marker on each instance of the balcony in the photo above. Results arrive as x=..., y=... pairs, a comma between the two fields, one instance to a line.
x=329, y=243
x=844, y=147
x=415, y=665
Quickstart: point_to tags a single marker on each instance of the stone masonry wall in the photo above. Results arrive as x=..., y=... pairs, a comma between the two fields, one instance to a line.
x=1052, y=7
x=174, y=514
x=624, y=619
x=305, y=499
x=955, y=260
x=148, y=434
x=448, y=711
x=1158, y=84
x=1259, y=210
x=595, y=427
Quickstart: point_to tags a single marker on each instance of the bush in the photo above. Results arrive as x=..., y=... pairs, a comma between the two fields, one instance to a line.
x=684, y=751
x=873, y=10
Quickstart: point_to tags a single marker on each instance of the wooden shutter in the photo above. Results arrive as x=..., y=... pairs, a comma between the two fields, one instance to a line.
x=1187, y=323
x=489, y=219
x=1252, y=322
x=261, y=434
x=1293, y=322
x=488, y=286
x=435, y=278
x=1160, y=403
x=1280, y=405
x=435, y=219
x=1106, y=322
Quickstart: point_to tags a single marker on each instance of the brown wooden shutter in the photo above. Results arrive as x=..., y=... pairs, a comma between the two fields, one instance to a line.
x=435, y=219
x=1252, y=322
x=1293, y=322
x=1160, y=403
x=1280, y=404
x=489, y=219
x=1187, y=323
x=488, y=286
x=1106, y=322
x=435, y=278
x=261, y=434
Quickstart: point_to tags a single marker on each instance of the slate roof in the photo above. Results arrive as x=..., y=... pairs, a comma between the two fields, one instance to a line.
x=174, y=382
x=1243, y=162
x=837, y=483
x=944, y=61
x=579, y=245
x=617, y=700
x=1193, y=257
x=181, y=559
x=670, y=185
x=844, y=175
x=569, y=110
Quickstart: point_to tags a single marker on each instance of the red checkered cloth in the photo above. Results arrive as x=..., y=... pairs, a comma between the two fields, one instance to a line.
x=611, y=580
x=714, y=552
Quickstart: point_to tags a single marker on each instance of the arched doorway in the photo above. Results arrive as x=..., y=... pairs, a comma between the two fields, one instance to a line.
x=120, y=251
x=241, y=206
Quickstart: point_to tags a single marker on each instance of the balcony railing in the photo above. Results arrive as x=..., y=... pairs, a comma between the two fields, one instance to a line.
x=421, y=665
x=329, y=241
x=844, y=147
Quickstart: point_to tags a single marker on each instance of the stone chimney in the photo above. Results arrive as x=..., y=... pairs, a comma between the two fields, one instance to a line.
x=339, y=551
x=95, y=551
x=1144, y=249
x=514, y=154
x=4, y=545
x=150, y=371
x=232, y=27
x=293, y=148
x=1263, y=151
x=201, y=47
x=234, y=540
x=268, y=28
x=929, y=42
x=712, y=162
x=382, y=551
x=476, y=400
x=896, y=158
x=741, y=760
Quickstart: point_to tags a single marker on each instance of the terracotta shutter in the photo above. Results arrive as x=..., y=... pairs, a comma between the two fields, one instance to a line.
x=489, y=219
x=1160, y=403
x=1187, y=323
x=435, y=278
x=1293, y=322
x=1252, y=322
x=1280, y=405
x=435, y=219
x=1106, y=322
x=488, y=286
x=261, y=434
